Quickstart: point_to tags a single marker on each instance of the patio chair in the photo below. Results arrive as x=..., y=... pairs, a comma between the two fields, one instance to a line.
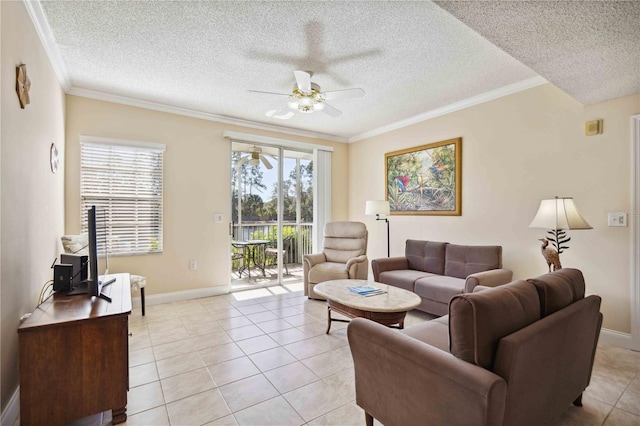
x=271, y=253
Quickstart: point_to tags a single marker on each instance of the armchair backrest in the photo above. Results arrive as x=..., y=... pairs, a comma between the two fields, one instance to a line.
x=344, y=241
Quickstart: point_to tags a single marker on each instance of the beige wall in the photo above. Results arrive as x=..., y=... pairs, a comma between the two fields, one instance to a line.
x=32, y=200
x=196, y=185
x=518, y=150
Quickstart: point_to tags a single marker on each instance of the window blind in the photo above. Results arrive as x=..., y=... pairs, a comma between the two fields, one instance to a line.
x=124, y=181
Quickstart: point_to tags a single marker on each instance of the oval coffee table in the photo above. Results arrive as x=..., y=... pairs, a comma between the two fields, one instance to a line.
x=387, y=308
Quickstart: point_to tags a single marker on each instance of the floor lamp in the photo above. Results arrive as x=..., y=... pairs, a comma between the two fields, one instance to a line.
x=380, y=208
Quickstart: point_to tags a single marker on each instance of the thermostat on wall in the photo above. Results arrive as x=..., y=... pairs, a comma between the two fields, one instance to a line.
x=593, y=127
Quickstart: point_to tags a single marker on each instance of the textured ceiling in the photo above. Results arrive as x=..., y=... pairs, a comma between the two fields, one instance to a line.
x=589, y=49
x=409, y=57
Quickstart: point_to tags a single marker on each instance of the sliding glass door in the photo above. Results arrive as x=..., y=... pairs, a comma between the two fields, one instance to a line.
x=272, y=214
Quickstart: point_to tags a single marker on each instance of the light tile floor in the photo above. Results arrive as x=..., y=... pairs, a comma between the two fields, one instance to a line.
x=262, y=358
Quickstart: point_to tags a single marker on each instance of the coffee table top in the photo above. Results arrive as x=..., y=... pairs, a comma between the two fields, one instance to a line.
x=394, y=300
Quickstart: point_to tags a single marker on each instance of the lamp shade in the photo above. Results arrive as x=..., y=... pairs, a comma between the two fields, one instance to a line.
x=377, y=207
x=558, y=213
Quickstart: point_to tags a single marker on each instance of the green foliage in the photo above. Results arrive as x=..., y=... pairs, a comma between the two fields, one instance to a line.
x=422, y=180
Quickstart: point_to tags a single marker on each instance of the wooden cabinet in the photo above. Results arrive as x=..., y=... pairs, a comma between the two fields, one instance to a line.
x=74, y=357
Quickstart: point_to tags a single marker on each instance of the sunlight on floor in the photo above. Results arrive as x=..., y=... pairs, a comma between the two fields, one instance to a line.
x=266, y=291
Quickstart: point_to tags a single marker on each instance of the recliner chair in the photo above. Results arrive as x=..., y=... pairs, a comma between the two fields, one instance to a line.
x=343, y=256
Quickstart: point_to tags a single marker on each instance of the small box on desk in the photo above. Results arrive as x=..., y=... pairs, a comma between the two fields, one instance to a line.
x=79, y=264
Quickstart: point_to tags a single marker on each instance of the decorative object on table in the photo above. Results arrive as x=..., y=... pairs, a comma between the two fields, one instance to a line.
x=23, y=85
x=366, y=290
x=54, y=160
x=425, y=180
x=557, y=215
x=380, y=208
x=550, y=255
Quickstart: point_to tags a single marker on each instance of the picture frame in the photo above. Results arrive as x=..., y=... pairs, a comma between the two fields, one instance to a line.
x=425, y=180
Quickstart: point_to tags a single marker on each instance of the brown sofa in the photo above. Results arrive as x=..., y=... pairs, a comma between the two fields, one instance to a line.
x=518, y=354
x=437, y=271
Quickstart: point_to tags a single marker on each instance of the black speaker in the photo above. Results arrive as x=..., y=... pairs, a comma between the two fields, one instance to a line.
x=62, y=275
x=79, y=264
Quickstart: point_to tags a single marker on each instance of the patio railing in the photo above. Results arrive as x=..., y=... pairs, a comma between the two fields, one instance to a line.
x=301, y=243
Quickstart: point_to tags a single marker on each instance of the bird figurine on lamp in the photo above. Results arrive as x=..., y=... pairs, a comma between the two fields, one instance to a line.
x=556, y=215
x=550, y=255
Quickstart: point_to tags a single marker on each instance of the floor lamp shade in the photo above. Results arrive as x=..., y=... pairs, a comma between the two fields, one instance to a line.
x=377, y=208
x=558, y=213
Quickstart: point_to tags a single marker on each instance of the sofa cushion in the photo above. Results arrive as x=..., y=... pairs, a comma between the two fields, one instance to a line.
x=426, y=256
x=477, y=321
x=439, y=287
x=462, y=261
x=434, y=333
x=402, y=278
x=328, y=271
x=558, y=289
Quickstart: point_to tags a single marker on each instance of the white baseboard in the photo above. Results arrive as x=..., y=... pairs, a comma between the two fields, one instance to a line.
x=178, y=296
x=616, y=338
x=12, y=410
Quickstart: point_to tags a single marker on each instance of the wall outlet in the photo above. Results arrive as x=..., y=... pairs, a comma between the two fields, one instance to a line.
x=193, y=265
x=617, y=219
x=218, y=217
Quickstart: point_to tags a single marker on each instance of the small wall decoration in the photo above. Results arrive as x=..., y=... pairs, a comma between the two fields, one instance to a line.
x=425, y=180
x=23, y=84
x=53, y=158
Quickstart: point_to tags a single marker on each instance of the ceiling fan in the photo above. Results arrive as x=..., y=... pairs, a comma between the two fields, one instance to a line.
x=307, y=97
x=254, y=157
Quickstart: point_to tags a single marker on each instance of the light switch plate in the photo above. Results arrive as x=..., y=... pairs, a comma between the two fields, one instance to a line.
x=617, y=218
x=218, y=217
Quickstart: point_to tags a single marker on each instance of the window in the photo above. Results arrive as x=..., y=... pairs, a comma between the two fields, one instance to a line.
x=123, y=180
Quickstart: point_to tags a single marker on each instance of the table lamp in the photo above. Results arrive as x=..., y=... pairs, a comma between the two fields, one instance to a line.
x=379, y=208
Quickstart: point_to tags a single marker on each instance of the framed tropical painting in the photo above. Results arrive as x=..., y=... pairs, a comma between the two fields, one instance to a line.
x=425, y=180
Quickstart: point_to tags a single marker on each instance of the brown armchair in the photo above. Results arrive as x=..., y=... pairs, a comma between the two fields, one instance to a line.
x=343, y=256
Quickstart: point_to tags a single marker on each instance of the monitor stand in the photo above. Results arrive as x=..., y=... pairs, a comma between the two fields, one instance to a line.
x=82, y=288
x=103, y=285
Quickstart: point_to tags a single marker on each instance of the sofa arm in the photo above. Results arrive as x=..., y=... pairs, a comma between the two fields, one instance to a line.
x=358, y=267
x=388, y=264
x=403, y=381
x=491, y=278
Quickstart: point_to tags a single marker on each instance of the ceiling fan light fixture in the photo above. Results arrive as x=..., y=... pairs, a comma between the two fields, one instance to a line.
x=306, y=102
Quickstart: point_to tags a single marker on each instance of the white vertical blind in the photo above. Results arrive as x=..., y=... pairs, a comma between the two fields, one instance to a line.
x=123, y=180
x=322, y=196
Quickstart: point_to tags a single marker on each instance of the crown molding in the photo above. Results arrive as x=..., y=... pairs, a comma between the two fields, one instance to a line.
x=34, y=8
x=456, y=106
x=101, y=96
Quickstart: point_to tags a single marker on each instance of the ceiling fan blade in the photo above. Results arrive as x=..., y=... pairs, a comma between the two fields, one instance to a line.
x=331, y=111
x=344, y=94
x=266, y=162
x=303, y=80
x=242, y=160
x=267, y=93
